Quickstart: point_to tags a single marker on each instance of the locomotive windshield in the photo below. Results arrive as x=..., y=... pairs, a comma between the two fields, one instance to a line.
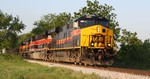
x=102, y=22
x=84, y=23
x=90, y=22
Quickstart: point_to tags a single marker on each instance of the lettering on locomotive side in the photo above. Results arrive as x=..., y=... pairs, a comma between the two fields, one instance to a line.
x=75, y=32
x=61, y=41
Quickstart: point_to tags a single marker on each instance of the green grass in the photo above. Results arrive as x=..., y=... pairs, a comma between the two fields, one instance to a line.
x=14, y=67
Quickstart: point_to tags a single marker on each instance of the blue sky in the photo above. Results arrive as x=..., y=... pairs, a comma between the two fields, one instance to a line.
x=132, y=15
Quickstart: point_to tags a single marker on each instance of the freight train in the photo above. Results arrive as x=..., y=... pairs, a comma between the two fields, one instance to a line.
x=87, y=40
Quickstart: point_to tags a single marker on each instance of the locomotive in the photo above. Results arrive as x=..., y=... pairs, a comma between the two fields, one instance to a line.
x=87, y=40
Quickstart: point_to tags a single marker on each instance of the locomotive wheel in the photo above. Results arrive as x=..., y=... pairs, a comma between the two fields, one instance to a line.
x=111, y=61
x=85, y=64
x=80, y=63
x=75, y=63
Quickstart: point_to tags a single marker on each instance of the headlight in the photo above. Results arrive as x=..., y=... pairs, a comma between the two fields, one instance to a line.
x=92, y=44
x=108, y=44
x=98, y=29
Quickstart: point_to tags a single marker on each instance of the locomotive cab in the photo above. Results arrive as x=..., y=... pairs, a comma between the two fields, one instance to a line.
x=95, y=31
x=96, y=38
x=87, y=21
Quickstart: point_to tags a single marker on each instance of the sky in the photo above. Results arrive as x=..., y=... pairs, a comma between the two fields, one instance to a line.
x=132, y=15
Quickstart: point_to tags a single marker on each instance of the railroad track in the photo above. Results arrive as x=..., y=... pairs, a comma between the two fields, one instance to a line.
x=110, y=68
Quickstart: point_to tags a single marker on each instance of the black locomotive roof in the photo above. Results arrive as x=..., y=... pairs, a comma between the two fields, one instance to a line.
x=91, y=17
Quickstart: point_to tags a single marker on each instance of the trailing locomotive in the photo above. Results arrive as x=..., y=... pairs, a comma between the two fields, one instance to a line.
x=88, y=40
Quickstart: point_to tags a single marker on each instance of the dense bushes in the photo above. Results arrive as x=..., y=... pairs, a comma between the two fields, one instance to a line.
x=134, y=56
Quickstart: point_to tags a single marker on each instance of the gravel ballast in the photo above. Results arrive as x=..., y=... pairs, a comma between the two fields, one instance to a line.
x=101, y=73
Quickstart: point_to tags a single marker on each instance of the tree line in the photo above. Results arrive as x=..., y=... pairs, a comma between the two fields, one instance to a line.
x=132, y=52
x=10, y=27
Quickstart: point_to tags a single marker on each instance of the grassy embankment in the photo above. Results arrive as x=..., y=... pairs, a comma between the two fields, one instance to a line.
x=14, y=67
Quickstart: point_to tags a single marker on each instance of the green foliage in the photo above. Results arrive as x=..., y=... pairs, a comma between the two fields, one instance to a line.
x=24, y=37
x=50, y=21
x=9, y=40
x=132, y=56
x=101, y=11
x=14, y=67
x=129, y=38
x=9, y=28
x=10, y=57
x=133, y=52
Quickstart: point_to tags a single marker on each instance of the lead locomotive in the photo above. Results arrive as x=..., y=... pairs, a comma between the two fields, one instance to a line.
x=87, y=40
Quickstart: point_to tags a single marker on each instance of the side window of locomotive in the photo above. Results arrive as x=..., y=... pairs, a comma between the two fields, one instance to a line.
x=85, y=23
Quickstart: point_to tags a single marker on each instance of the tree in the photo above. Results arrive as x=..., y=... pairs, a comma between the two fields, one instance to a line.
x=50, y=21
x=129, y=38
x=101, y=11
x=9, y=28
x=133, y=52
x=129, y=41
x=24, y=37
